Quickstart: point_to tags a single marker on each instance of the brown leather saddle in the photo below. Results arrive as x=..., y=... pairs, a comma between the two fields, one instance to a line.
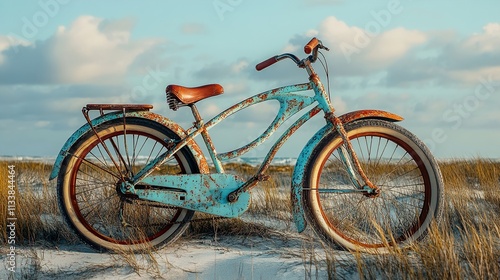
x=178, y=96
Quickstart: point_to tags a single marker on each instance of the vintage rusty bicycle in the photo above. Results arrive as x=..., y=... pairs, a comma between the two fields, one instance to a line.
x=133, y=179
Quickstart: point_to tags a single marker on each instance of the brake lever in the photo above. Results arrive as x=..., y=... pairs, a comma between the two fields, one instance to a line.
x=321, y=46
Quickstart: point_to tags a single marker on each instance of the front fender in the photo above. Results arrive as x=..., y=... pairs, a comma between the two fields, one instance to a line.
x=305, y=155
x=195, y=149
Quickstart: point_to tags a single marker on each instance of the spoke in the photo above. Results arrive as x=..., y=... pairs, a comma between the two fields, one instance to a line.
x=151, y=152
x=401, y=186
x=94, y=187
x=395, y=201
x=399, y=165
x=96, y=172
x=382, y=153
x=95, y=179
x=97, y=166
x=135, y=142
x=103, y=161
x=369, y=148
x=119, y=155
x=105, y=147
x=94, y=206
x=360, y=149
x=142, y=146
x=377, y=153
x=125, y=143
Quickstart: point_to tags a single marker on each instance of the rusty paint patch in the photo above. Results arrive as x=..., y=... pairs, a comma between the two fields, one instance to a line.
x=365, y=114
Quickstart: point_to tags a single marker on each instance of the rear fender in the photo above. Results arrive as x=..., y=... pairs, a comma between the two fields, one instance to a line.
x=177, y=129
x=306, y=154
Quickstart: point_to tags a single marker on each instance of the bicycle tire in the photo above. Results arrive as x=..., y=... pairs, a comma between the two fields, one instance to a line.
x=88, y=193
x=398, y=163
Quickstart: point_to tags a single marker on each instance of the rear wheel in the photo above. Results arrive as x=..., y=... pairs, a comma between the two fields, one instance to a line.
x=411, y=189
x=89, y=194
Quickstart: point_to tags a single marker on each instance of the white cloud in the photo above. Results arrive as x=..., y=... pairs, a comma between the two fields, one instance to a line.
x=89, y=51
x=290, y=48
x=398, y=57
x=453, y=60
x=215, y=71
x=7, y=42
x=236, y=87
x=239, y=66
x=393, y=45
x=92, y=51
x=339, y=104
x=361, y=50
x=4, y=44
x=211, y=109
x=354, y=51
x=487, y=41
x=474, y=76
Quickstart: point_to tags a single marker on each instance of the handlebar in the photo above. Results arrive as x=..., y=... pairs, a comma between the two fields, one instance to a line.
x=311, y=47
x=266, y=63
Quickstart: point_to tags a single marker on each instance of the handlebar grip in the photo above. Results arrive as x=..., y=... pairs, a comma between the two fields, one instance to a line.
x=266, y=63
x=311, y=45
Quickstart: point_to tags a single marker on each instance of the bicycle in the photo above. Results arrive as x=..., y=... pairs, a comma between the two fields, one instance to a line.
x=133, y=179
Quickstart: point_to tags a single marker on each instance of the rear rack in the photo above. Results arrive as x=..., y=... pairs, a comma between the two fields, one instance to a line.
x=114, y=107
x=119, y=107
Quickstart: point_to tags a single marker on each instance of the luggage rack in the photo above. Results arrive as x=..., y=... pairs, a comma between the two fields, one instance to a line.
x=113, y=107
x=117, y=107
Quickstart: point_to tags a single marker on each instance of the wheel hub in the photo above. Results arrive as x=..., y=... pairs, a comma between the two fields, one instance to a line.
x=371, y=193
x=121, y=187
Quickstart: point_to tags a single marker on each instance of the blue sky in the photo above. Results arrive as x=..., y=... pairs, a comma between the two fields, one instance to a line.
x=436, y=63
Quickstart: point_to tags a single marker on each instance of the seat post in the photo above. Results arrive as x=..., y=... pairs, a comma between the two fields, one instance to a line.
x=206, y=137
x=196, y=115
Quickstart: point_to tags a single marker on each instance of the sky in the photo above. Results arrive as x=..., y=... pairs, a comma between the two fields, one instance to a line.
x=436, y=63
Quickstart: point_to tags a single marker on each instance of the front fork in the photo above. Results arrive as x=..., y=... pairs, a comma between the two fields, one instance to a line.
x=347, y=154
x=350, y=159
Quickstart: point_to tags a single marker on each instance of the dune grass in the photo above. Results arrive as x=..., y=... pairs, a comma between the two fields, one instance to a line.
x=465, y=245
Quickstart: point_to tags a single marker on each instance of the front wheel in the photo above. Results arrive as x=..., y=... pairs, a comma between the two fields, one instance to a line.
x=399, y=164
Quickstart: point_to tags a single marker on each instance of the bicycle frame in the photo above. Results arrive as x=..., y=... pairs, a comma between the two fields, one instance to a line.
x=228, y=188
